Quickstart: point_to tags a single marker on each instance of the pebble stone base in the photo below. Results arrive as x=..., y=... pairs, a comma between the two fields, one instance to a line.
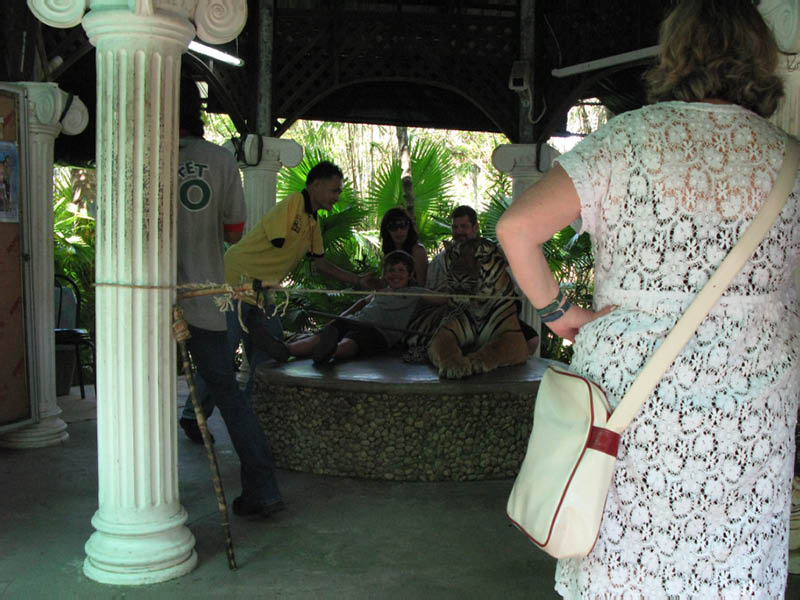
x=395, y=431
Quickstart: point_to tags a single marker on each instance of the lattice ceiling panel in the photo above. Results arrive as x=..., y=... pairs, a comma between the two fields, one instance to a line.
x=466, y=58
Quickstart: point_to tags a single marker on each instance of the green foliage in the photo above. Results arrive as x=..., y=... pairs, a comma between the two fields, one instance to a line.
x=73, y=242
x=570, y=258
x=433, y=172
x=488, y=219
x=218, y=128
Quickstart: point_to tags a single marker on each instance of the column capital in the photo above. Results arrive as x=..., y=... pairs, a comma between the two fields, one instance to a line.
x=216, y=21
x=783, y=17
x=522, y=158
x=48, y=103
x=272, y=153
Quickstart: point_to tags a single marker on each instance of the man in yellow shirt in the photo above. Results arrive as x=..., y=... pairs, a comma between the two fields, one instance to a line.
x=270, y=250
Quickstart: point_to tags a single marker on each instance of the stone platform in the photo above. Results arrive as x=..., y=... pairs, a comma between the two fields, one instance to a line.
x=381, y=418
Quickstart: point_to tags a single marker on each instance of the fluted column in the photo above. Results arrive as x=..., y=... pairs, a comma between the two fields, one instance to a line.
x=525, y=164
x=46, y=105
x=140, y=534
x=260, y=164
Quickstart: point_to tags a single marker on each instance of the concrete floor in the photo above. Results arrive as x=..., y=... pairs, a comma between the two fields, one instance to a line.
x=339, y=538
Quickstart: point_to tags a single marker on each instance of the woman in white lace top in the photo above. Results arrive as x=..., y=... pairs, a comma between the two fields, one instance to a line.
x=699, y=506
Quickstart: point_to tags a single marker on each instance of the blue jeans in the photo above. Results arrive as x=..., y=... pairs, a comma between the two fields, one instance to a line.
x=259, y=318
x=213, y=356
x=254, y=357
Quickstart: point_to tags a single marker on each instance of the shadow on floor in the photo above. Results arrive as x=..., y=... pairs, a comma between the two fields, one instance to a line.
x=339, y=538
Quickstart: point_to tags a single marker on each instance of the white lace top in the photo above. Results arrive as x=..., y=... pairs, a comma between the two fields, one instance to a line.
x=701, y=497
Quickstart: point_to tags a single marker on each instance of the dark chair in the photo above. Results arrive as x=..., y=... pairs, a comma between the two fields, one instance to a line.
x=68, y=314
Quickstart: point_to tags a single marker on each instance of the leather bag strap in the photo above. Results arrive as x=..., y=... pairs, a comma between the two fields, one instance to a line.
x=686, y=326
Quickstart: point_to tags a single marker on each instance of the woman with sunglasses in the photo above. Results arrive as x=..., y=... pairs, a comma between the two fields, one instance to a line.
x=399, y=233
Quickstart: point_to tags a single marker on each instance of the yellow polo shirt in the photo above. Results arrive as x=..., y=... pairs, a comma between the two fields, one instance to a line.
x=254, y=256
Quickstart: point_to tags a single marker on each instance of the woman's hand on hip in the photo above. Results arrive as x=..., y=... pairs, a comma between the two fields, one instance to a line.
x=576, y=317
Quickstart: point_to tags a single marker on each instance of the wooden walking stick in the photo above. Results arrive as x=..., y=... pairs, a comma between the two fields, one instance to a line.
x=180, y=330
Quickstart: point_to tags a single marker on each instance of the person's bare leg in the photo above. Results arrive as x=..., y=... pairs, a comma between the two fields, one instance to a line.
x=346, y=348
x=303, y=347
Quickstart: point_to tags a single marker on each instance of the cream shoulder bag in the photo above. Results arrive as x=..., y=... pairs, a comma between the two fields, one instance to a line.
x=560, y=492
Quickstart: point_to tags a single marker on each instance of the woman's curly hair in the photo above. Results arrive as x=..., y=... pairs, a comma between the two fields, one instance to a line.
x=717, y=49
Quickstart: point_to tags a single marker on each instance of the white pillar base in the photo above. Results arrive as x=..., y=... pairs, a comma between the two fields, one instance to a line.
x=49, y=431
x=165, y=548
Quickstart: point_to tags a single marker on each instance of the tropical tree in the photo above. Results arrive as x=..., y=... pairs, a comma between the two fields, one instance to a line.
x=432, y=173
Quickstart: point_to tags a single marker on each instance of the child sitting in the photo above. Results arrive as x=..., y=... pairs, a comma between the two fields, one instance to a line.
x=373, y=324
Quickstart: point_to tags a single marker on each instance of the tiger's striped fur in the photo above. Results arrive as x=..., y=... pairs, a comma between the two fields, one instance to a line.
x=469, y=336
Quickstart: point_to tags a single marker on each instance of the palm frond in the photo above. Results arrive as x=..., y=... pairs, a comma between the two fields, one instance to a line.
x=433, y=173
x=488, y=219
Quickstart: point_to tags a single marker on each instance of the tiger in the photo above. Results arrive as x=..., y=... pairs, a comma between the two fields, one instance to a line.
x=469, y=336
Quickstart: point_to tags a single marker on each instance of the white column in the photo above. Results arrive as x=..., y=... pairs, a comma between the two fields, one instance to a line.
x=140, y=535
x=260, y=165
x=524, y=168
x=46, y=104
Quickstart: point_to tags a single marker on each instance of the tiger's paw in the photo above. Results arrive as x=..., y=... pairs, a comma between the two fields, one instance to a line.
x=454, y=367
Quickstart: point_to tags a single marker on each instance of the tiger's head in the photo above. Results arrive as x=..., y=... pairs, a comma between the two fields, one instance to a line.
x=476, y=267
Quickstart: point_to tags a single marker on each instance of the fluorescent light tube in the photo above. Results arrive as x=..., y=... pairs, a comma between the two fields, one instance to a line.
x=215, y=54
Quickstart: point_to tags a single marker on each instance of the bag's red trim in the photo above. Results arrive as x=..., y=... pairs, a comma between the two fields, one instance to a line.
x=603, y=440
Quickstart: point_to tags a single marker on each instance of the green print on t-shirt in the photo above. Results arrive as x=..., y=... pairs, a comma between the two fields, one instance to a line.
x=195, y=193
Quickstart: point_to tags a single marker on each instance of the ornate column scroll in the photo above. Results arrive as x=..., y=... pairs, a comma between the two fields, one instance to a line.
x=783, y=17
x=47, y=104
x=140, y=535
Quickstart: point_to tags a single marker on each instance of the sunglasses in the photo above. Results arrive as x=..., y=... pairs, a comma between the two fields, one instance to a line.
x=397, y=225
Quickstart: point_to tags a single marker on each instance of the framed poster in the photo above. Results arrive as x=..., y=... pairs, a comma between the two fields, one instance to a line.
x=9, y=182
x=17, y=407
